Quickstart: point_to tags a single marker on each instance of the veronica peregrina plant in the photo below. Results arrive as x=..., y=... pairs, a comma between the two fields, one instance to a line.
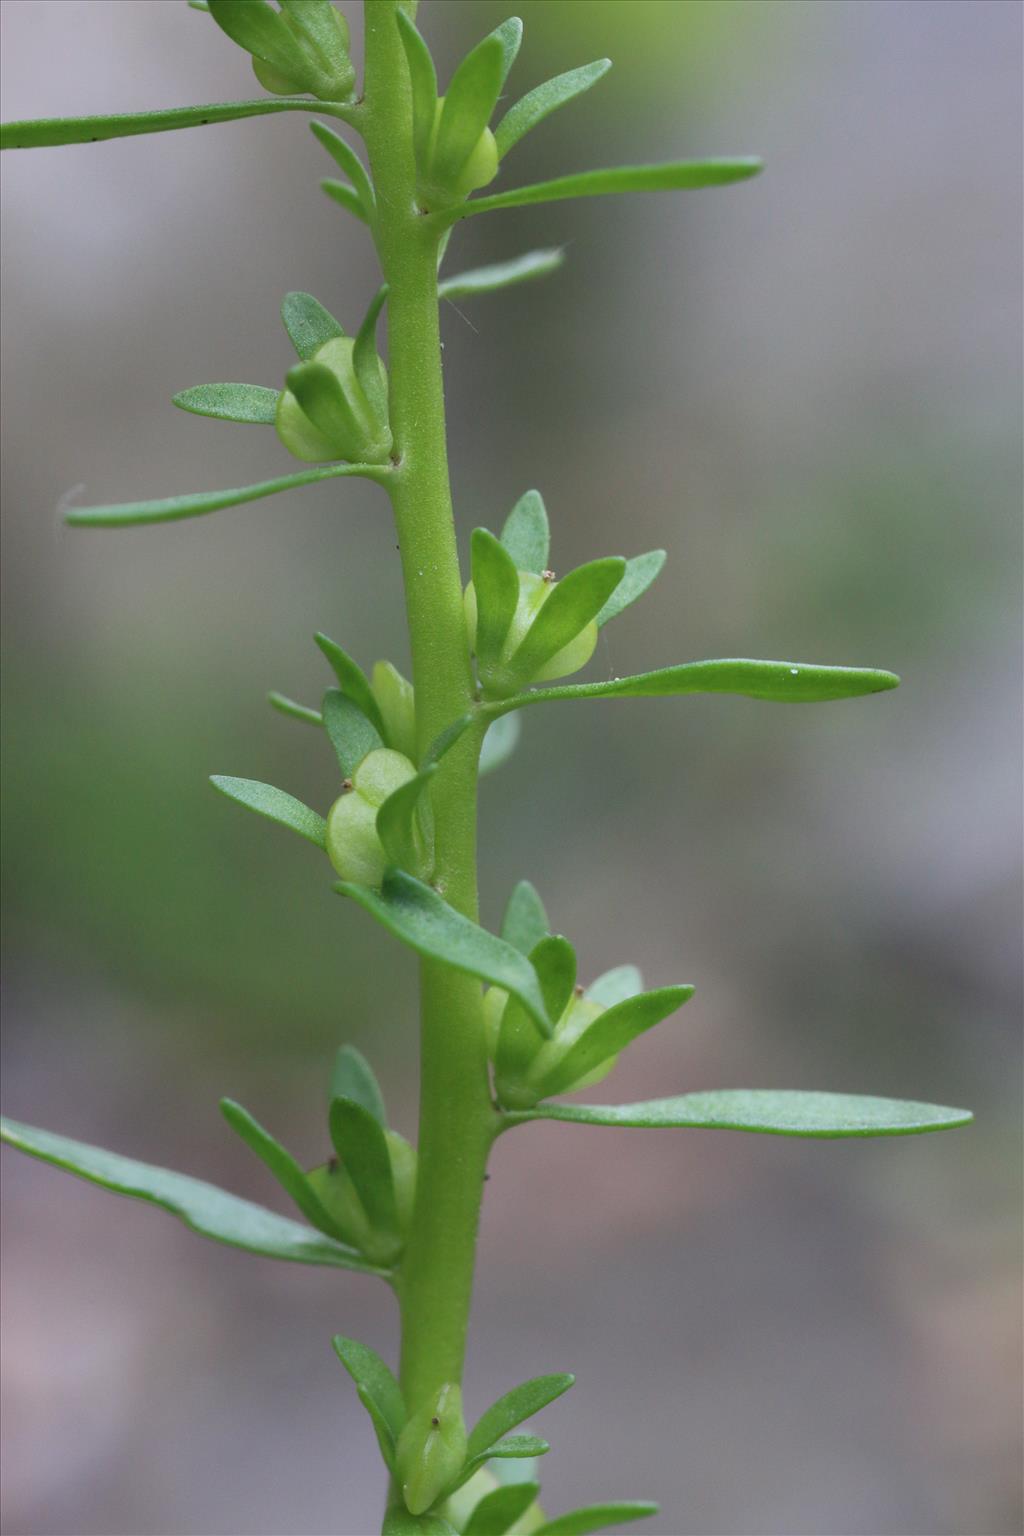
x=507, y=1028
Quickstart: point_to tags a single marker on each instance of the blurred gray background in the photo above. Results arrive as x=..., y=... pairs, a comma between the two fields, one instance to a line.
x=808, y=390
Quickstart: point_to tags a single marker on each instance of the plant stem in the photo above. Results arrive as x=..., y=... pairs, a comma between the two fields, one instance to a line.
x=457, y=1119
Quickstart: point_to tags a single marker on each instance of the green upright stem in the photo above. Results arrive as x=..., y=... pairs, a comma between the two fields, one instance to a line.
x=457, y=1119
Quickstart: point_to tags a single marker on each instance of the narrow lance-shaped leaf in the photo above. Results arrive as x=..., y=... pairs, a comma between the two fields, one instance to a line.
x=609, y=1034
x=308, y=323
x=778, y=682
x=345, y=196
x=526, y=534
x=351, y=734
x=514, y=1407
x=525, y=922
x=671, y=177
x=499, y=1510
x=204, y=1208
x=399, y=825
x=423, y=79
x=378, y=1392
x=352, y=680
x=539, y=103
x=576, y=599
x=499, y=743
x=348, y=160
x=554, y=960
x=260, y=30
x=295, y=711
x=775, y=1112
x=353, y=1078
x=502, y=274
x=424, y=921
x=468, y=105
x=616, y=985
x=640, y=572
x=44, y=133
x=172, y=509
x=275, y=804
x=596, y=1517
x=230, y=402
x=365, y=360
x=511, y=1448
x=510, y=36
x=282, y=1165
x=496, y=587
x=358, y=1139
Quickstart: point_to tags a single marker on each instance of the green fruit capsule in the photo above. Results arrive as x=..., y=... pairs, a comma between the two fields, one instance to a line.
x=534, y=592
x=323, y=415
x=477, y=170
x=353, y=846
x=431, y=1449
x=575, y=1021
x=329, y=76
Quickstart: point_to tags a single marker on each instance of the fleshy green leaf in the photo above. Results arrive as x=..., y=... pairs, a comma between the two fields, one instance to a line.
x=366, y=361
x=353, y=1078
x=231, y=402
x=358, y=1139
x=499, y=744
x=778, y=682
x=352, y=681
x=276, y=804
x=616, y=985
x=544, y=99
x=400, y=825
x=576, y=599
x=173, y=508
x=775, y=1112
x=204, y=1208
x=418, y=916
x=346, y=158
x=423, y=80
x=670, y=177
x=295, y=711
x=510, y=35
x=352, y=735
x=511, y=1448
x=45, y=132
x=496, y=585
x=308, y=324
x=596, y=1517
x=399, y=1522
x=609, y=1034
x=501, y=274
x=378, y=1392
x=468, y=104
x=261, y=31
x=525, y=922
x=554, y=960
x=499, y=1510
x=526, y=534
x=347, y=197
x=282, y=1165
x=640, y=572
x=511, y=1409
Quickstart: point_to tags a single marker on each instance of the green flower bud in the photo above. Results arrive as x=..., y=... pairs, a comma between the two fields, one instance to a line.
x=337, y=1193
x=464, y=1500
x=330, y=75
x=353, y=846
x=478, y=169
x=431, y=1449
x=534, y=592
x=576, y=1019
x=335, y=419
x=397, y=701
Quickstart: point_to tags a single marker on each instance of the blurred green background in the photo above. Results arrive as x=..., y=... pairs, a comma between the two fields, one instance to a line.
x=808, y=390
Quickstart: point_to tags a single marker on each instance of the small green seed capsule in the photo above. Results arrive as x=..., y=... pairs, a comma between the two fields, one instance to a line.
x=575, y=1021
x=494, y=1006
x=403, y=1172
x=353, y=846
x=431, y=1449
x=330, y=75
x=458, y=1509
x=337, y=1194
x=534, y=592
x=397, y=701
x=345, y=425
x=478, y=169
x=380, y=773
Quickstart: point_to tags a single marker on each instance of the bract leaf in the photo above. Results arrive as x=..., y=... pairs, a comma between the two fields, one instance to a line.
x=282, y=1165
x=352, y=681
x=670, y=177
x=499, y=1510
x=609, y=1034
x=554, y=960
x=172, y=509
x=348, y=160
x=423, y=80
x=275, y=804
x=358, y=1139
x=43, y=133
x=537, y=104
x=496, y=585
x=378, y=1392
x=260, y=30
x=525, y=922
x=616, y=985
x=501, y=274
x=778, y=682
x=353, y=1078
x=230, y=402
x=596, y=1517
x=424, y=921
x=352, y=735
x=319, y=392
x=640, y=572
x=295, y=711
x=526, y=534
x=308, y=323
x=499, y=743
x=401, y=829
x=576, y=599
x=347, y=197
x=515, y=1406
x=204, y=1208
x=366, y=361
x=775, y=1112
x=468, y=104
